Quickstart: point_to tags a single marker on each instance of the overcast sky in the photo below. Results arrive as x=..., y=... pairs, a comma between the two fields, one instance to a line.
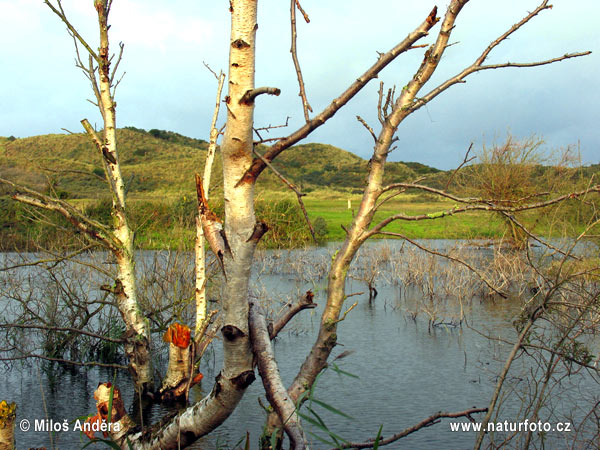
x=166, y=85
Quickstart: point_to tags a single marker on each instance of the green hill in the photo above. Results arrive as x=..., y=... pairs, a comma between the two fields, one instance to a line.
x=158, y=168
x=159, y=163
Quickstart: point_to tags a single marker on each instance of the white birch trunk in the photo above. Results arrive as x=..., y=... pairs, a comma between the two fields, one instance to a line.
x=242, y=233
x=201, y=305
x=137, y=347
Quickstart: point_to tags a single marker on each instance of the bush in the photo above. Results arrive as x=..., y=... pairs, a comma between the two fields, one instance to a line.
x=287, y=225
x=320, y=227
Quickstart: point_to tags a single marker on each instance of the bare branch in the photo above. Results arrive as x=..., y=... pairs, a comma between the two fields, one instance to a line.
x=431, y=420
x=268, y=128
x=481, y=276
x=65, y=361
x=90, y=227
x=249, y=96
x=473, y=204
x=61, y=14
x=306, y=19
x=202, y=321
x=466, y=160
x=116, y=66
x=212, y=71
x=293, y=50
x=69, y=329
x=293, y=187
x=305, y=302
x=52, y=261
x=478, y=64
x=275, y=390
x=347, y=311
x=384, y=59
x=366, y=125
x=545, y=243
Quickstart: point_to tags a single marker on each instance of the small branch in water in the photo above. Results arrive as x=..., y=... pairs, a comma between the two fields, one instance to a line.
x=431, y=420
x=346, y=313
x=69, y=329
x=305, y=302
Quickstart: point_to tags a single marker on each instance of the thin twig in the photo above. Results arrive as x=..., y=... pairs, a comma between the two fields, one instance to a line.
x=465, y=161
x=481, y=276
x=293, y=50
x=366, y=125
x=431, y=420
x=70, y=329
x=293, y=187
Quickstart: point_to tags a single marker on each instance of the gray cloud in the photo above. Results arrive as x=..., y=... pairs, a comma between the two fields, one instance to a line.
x=166, y=86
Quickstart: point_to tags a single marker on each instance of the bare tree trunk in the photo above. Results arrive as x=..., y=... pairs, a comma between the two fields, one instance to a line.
x=357, y=234
x=201, y=305
x=240, y=236
x=137, y=346
x=269, y=372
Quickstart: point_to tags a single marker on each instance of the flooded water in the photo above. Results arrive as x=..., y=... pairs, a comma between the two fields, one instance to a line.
x=404, y=370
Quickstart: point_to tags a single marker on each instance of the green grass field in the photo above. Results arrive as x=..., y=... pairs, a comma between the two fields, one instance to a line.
x=158, y=167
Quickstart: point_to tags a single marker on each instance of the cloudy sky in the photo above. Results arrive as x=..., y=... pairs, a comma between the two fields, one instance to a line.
x=166, y=85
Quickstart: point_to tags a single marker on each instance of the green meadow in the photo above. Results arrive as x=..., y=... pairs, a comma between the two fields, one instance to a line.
x=159, y=167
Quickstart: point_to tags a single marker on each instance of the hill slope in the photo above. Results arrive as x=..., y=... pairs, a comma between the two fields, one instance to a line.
x=159, y=163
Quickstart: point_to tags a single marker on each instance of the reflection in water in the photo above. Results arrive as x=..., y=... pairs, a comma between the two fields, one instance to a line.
x=406, y=368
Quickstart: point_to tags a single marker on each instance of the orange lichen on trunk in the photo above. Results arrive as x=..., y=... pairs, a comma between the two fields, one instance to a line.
x=8, y=413
x=102, y=395
x=179, y=335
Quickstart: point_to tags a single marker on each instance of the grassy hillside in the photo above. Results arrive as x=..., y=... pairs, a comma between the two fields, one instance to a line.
x=159, y=166
x=159, y=163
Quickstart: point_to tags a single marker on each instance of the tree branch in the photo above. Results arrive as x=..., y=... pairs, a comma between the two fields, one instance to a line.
x=305, y=105
x=431, y=420
x=305, y=302
x=478, y=64
x=269, y=372
x=294, y=188
x=249, y=96
x=384, y=59
x=61, y=14
x=92, y=228
x=451, y=258
x=65, y=361
x=70, y=329
x=473, y=204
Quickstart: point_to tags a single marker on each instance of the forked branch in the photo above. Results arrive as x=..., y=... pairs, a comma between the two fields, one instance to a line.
x=384, y=59
x=471, y=204
x=293, y=50
x=90, y=227
x=478, y=65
